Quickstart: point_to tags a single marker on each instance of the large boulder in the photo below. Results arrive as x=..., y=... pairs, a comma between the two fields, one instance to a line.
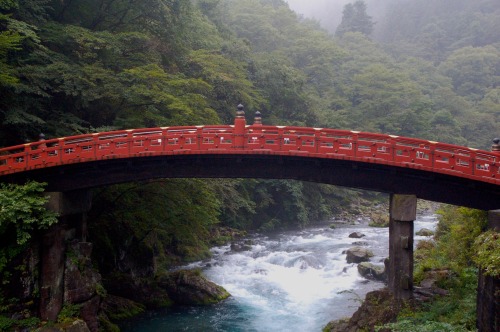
x=119, y=308
x=190, y=287
x=358, y=255
x=145, y=291
x=356, y=235
x=371, y=271
x=378, y=308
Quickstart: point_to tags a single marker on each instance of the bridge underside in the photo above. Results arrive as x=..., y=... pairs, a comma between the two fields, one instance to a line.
x=347, y=173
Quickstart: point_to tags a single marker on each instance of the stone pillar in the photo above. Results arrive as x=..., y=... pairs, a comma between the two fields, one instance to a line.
x=403, y=211
x=71, y=208
x=488, y=290
x=52, y=272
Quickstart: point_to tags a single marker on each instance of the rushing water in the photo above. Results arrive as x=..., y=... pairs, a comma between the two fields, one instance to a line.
x=292, y=281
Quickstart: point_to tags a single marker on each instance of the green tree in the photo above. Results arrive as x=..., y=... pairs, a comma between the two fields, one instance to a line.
x=473, y=71
x=355, y=19
x=152, y=224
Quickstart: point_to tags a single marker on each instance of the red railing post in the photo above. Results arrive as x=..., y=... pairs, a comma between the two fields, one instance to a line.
x=239, y=129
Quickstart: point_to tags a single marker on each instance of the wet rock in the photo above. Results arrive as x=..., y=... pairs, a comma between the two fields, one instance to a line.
x=358, y=255
x=360, y=243
x=425, y=232
x=371, y=271
x=356, y=235
x=239, y=247
x=190, y=287
x=304, y=262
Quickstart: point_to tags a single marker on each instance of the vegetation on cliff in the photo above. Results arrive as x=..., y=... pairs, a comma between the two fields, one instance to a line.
x=22, y=215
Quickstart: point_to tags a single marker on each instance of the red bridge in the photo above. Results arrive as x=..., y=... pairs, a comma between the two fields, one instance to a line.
x=407, y=168
x=430, y=170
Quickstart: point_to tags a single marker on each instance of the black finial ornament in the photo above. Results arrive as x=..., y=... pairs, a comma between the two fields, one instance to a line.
x=258, y=118
x=495, y=147
x=240, y=111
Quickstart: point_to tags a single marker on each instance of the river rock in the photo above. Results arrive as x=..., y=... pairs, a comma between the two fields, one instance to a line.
x=303, y=262
x=425, y=232
x=238, y=247
x=356, y=235
x=358, y=255
x=145, y=291
x=371, y=271
x=190, y=287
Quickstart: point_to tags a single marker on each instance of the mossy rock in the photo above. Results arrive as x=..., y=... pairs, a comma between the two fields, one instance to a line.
x=379, y=220
x=119, y=308
x=190, y=287
x=425, y=232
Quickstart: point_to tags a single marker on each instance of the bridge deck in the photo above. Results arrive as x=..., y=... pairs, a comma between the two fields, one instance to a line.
x=322, y=143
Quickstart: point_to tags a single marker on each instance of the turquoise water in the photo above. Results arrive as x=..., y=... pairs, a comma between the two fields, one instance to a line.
x=293, y=281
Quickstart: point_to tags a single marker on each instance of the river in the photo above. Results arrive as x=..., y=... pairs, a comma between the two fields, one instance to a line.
x=291, y=281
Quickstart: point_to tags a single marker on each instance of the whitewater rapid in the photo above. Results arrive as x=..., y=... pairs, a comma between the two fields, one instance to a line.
x=290, y=281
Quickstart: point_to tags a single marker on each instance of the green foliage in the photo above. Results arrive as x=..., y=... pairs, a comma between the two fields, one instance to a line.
x=68, y=313
x=23, y=208
x=411, y=326
x=456, y=232
x=473, y=70
x=6, y=323
x=165, y=219
x=487, y=256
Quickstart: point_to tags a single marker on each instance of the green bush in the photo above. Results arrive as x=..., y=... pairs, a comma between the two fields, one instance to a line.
x=487, y=257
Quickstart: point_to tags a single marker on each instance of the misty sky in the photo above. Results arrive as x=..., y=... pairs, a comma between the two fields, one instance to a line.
x=329, y=12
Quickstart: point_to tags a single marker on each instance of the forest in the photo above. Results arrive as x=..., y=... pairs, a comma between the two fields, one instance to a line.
x=428, y=69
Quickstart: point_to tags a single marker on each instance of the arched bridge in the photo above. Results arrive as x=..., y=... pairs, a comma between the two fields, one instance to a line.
x=429, y=170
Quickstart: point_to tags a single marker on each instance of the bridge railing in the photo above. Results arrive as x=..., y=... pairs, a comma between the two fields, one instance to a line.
x=313, y=142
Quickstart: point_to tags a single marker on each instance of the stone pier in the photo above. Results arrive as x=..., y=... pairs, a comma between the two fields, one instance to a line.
x=71, y=208
x=403, y=212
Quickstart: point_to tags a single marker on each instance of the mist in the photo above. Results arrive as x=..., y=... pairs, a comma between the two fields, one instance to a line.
x=329, y=12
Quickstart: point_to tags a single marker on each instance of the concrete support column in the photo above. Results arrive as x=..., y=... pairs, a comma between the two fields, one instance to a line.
x=403, y=211
x=488, y=290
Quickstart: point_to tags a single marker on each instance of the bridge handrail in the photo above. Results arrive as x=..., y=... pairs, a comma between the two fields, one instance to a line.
x=285, y=140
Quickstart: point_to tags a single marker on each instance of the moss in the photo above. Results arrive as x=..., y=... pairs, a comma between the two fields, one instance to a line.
x=117, y=308
x=106, y=325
